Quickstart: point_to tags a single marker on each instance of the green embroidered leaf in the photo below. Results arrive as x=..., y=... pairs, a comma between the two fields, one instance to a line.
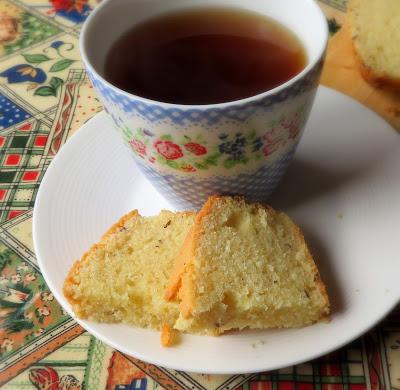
x=228, y=164
x=201, y=166
x=244, y=160
x=35, y=58
x=211, y=161
x=56, y=83
x=172, y=164
x=61, y=65
x=125, y=130
x=251, y=135
x=166, y=137
x=215, y=155
x=45, y=91
x=199, y=139
x=186, y=137
x=126, y=134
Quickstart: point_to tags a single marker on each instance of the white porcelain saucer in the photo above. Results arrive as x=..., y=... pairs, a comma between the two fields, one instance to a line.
x=343, y=189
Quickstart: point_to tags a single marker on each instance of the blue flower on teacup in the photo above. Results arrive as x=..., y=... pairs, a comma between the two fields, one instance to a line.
x=235, y=148
x=24, y=72
x=257, y=144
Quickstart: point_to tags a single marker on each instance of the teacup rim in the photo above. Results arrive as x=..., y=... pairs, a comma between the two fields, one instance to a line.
x=224, y=105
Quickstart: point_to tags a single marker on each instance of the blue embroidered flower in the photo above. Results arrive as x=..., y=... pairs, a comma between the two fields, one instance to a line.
x=56, y=44
x=235, y=148
x=257, y=144
x=24, y=72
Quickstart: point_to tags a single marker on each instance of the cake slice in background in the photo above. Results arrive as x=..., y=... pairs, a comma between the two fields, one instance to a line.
x=375, y=30
x=245, y=266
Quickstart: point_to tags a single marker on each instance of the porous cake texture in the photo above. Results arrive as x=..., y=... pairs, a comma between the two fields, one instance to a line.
x=245, y=266
x=123, y=277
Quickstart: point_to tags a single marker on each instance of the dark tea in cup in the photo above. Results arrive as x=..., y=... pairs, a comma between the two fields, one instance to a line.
x=204, y=56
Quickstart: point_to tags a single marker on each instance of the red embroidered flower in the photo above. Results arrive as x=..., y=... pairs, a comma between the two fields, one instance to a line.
x=195, y=148
x=152, y=160
x=270, y=148
x=69, y=5
x=44, y=378
x=293, y=126
x=138, y=146
x=273, y=141
x=168, y=149
x=188, y=168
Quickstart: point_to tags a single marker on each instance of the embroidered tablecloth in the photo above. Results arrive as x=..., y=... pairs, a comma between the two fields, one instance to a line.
x=44, y=97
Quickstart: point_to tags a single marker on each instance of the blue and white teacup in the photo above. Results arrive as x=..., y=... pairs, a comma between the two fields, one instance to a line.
x=189, y=152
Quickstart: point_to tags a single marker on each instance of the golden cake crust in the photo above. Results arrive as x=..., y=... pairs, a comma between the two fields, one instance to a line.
x=181, y=284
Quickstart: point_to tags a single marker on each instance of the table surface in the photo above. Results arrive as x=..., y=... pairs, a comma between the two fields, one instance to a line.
x=44, y=97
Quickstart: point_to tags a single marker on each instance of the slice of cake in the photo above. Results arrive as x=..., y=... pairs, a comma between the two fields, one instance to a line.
x=245, y=266
x=123, y=277
x=375, y=28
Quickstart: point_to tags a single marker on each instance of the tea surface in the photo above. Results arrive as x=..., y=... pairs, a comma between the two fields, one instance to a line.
x=204, y=56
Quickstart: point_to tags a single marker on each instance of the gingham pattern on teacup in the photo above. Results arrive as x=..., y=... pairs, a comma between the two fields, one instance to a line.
x=154, y=112
x=189, y=193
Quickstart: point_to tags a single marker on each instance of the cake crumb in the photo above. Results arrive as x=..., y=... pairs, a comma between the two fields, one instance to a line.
x=167, y=336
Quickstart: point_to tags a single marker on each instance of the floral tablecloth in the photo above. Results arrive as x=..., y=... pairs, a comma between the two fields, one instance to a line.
x=44, y=97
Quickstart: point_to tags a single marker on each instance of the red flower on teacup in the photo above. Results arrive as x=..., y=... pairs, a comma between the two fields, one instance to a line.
x=273, y=140
x=188, y=168
x=168, y=149
x=195, y=148
x=293, y=126
x=138, y=146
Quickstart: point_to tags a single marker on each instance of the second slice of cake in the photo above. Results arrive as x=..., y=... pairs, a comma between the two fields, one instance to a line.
x=245, y=266
x=123, y=277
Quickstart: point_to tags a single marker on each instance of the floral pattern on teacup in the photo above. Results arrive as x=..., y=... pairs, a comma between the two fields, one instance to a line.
x=198, y=152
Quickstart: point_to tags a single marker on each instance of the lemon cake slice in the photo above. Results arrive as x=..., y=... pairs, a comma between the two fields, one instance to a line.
x=375, y=28
x=123, y=277
x=245, y=266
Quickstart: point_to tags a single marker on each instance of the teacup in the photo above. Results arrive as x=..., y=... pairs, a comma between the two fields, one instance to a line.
x=189, y=152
